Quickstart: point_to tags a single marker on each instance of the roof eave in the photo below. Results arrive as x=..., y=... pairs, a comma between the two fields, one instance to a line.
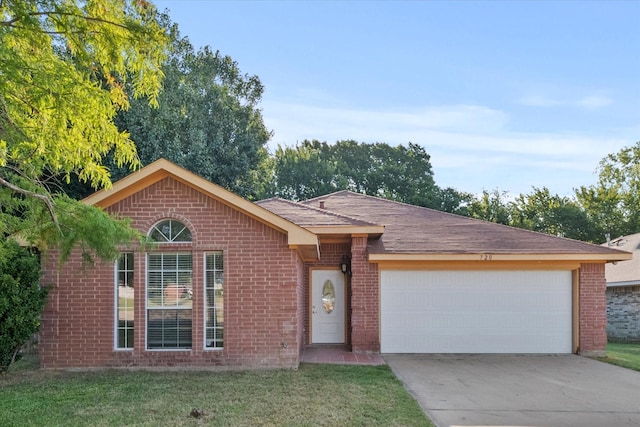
x=348, y=230
x=589, y=257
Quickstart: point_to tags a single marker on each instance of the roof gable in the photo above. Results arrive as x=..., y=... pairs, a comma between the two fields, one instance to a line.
x=298, y=238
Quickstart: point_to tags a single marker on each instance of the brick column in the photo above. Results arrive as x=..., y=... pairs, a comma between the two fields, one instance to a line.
x=593, y=310
x=365, y=300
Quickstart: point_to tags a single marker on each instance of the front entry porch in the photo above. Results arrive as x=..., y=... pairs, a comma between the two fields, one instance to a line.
x=339, y=354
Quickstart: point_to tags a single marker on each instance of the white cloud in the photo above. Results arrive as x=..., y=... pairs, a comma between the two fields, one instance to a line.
x=539, y=101
x=470, y=145
x=589, y=101
x=594, y=101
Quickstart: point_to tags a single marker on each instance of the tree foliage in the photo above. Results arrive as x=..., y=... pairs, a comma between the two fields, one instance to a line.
x=613, y=204
x=21, y=300
x=552, y=214
x=208, y=119
x=491, y=206
x=304, y=171
x=401, y=173
x=66, y=69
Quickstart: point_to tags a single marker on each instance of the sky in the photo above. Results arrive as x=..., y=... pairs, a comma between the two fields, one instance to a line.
x=505, y=95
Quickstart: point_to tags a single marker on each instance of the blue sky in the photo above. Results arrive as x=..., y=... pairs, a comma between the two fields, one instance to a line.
x=502, y=94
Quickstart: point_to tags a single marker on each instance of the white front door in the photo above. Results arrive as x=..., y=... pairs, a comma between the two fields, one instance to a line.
x=327, y=307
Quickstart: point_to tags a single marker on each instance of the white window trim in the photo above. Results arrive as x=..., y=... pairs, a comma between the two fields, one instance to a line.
x=116, y=305
x=204, y=299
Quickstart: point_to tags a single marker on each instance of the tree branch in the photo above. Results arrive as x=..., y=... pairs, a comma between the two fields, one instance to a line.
x=10, y=22
x=44, y=198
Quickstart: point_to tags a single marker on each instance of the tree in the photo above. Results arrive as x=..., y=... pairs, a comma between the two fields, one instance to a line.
x=208, y=119
x=304, y=171
x=491, y=206
x=613, y=204
x=66, y=68
x=552, y=214
x=401, y=173
x=21, y=300
x=454, y=201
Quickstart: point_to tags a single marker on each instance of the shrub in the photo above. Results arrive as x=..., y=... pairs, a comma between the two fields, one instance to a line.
x=21, y=300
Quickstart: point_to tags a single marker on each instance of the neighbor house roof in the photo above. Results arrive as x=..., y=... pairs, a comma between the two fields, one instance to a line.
x=417, y=233
x=624, y=273
x=298, y=237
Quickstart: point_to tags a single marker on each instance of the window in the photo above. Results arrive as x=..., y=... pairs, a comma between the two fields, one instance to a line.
x=214, y=301
x=169, y=290
x=170, y=231
x=124, y=301
x=169, y=295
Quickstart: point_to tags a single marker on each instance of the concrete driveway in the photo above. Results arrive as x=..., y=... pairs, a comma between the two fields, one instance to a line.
x=515, y=390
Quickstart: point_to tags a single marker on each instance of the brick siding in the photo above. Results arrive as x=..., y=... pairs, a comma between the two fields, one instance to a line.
x=365, y=305
x=263, y=287
x=593, y=318
x=623, y=314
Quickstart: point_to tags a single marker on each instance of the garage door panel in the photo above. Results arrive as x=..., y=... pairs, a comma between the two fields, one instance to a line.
x=476, y=311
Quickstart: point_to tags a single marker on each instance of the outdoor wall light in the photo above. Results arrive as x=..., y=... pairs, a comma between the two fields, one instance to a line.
x=345, y=266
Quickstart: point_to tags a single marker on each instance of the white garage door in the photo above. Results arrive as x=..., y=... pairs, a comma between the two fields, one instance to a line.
x=476, y=312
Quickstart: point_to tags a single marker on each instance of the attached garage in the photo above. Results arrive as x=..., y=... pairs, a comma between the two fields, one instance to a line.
x=476, y=311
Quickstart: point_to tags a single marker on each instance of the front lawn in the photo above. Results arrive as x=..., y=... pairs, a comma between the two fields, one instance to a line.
x=314, y=395
x=623, y=354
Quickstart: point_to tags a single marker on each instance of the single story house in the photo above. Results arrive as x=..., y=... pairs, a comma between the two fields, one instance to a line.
x=232, y=283
x=623, y=292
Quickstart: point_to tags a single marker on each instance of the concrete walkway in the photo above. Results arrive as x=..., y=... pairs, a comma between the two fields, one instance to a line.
x=513, y=390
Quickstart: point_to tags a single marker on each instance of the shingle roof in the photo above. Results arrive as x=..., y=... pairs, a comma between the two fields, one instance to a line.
x=307, y=215
x=627, y=272
x=412, y=229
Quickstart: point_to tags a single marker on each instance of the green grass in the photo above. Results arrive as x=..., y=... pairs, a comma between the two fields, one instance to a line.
x=314, y=395
x=623, y=354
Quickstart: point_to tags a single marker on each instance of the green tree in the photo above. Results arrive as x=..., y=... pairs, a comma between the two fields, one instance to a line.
x=304, y=171
x=454, y=201
x=66, y=68
x=208, y=120
x=613, y=203
x=21, y=300
x=491, y=206
x=401, y=173
x=552, y=214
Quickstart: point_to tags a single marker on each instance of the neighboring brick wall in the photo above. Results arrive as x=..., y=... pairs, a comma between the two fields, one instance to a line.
x=365, y=300
x=623, y=313
x=593, y=306
x=262, y=280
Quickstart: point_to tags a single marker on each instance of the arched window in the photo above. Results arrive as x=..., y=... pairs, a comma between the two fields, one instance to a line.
x=169, y=289
x=170, y=231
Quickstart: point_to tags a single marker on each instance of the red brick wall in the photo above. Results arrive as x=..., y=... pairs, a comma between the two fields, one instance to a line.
x=262, y=281
x=593, y=309
x=365, y=299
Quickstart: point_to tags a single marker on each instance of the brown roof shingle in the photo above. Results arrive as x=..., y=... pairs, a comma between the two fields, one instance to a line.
x=309, y=216
x=413, y=229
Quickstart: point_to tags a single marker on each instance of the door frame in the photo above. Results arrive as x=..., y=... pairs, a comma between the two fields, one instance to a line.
x=310, y=304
